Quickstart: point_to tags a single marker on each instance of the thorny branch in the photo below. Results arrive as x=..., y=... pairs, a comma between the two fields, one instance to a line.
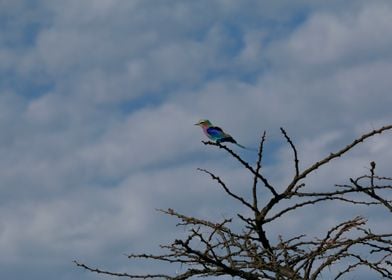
x=241, y=246
x=257, y=171
x=245, y=164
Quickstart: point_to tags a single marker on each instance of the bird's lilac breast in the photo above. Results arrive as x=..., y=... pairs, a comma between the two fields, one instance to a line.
x=206, y=132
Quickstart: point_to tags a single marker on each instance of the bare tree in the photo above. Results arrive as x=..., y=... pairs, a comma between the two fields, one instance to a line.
x=218, y=248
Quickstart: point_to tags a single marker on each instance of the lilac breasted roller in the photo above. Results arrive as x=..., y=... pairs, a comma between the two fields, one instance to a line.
x=216, y=133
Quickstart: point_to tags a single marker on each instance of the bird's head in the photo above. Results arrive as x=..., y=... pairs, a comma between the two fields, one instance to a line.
x=203, y=123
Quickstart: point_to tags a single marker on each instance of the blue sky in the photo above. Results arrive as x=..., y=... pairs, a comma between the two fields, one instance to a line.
x=98, y=99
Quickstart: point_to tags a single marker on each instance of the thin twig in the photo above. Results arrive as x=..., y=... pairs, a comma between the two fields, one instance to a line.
x=245, y=164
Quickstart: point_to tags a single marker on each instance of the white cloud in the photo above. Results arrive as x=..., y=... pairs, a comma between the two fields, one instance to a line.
x=98, y=101
x=341, y=38
x=149, y=137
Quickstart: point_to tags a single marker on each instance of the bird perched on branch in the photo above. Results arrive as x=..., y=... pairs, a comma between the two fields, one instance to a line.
x=216, y=133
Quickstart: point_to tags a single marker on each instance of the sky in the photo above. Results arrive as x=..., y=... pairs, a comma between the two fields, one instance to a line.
x=98, y=100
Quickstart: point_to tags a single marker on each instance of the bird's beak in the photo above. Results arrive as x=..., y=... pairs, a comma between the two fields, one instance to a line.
x=197, y=124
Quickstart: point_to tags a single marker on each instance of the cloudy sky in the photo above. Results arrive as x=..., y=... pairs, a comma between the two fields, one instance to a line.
x=98, y=99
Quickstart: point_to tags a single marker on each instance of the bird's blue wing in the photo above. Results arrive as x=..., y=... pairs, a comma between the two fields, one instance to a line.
x=215, y=132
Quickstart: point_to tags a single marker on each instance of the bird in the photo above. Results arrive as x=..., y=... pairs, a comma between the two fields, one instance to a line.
x=216, y=133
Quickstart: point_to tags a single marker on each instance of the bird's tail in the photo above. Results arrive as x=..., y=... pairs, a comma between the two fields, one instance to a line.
x=245, y=148
x=230, y=139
